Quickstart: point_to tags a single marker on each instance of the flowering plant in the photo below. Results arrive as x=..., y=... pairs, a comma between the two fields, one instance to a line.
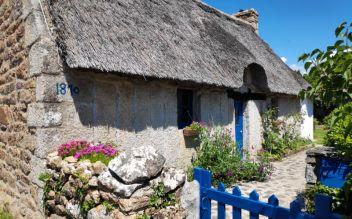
x=85, y=150
x=71, y=147
x=196, y=126
x=218, y=153
x=101, y=152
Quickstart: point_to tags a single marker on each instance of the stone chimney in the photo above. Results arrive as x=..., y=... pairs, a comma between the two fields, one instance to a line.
x=250, y=16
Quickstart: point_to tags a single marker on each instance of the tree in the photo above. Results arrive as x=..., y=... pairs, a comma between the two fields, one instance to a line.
x=330, y=71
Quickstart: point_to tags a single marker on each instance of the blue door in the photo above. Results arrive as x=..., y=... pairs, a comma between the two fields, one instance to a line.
x=239, y=124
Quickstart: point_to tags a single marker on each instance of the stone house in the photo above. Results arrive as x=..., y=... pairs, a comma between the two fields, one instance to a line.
x=133, y=72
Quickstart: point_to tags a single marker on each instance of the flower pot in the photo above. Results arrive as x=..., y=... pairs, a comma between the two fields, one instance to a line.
x=190, y=133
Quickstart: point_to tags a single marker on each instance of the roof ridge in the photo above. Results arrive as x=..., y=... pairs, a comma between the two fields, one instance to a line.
x=207, y=8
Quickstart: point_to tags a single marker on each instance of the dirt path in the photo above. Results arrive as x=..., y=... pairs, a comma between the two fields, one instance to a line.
x=286, y=181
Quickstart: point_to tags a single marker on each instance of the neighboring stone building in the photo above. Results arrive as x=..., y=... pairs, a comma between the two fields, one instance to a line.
x=133, y=72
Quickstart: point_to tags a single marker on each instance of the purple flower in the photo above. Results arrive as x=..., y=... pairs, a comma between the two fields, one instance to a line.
x=71, y=147
x=107, y=150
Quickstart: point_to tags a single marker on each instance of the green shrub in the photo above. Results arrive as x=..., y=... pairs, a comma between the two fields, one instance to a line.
x=161, y=199
x=347, y=193
x=217, y=153
x=341, y=198
x=339, y=134
x=87, y=206
x=335, y=194
x=281, y=135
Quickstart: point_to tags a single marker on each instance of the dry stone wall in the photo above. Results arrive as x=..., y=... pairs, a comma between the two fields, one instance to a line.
x=17, y=91
x=313, y=161
x=133, y=184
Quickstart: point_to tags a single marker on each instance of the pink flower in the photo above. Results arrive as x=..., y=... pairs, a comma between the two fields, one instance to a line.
x=70, y=148
x=107, y=150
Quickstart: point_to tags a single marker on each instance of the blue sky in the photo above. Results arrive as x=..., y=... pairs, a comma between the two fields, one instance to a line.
x=292, y=27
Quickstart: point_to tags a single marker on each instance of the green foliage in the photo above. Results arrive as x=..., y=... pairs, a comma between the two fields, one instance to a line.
x=281, y=135
x=56, y=185
x=341, y=198
x=94, y=157
x=161, y=199
x=144, y=216
x=44, y=177
x=109, y=206
x=4, y=214
x=347, y=193
x=335, y=194
x=86, y=206
x=330, y=71
x=339, y=134
x=319, y=134
x=196, y=126
x=189, y=174
x=217, y=153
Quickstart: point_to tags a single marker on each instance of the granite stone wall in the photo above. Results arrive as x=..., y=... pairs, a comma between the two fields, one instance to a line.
x=17, y=91
x=130, y=112
x=43, y=104
x=314, y=157
x=252, y=125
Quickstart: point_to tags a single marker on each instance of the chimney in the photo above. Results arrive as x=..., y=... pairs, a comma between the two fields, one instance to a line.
x=250, y=16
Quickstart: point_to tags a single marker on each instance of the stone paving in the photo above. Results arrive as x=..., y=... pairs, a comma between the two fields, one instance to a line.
x=287, y=180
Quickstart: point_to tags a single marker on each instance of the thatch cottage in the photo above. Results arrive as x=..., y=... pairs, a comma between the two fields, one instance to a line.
x=133, y=72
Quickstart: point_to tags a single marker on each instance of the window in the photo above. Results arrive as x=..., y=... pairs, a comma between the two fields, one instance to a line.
x=184, y=108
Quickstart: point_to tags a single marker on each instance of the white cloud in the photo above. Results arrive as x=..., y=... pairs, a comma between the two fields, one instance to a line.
x=284, y=59
x=296, y=67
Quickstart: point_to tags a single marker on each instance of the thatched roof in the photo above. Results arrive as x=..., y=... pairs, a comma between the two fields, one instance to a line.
x=184, y=40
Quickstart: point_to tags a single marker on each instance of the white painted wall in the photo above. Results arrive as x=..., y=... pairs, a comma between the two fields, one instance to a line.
x=288, y=106
x=252, y=126
x=307, y=124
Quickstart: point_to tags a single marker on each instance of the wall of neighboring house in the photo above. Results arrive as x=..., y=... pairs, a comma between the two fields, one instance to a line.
x=307, y=127
x=18, y=193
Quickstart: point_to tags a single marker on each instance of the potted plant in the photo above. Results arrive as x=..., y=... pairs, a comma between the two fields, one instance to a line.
x=193, y=129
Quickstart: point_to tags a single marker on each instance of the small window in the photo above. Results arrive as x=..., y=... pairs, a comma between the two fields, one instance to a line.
x=184, y=108
x=274, y=102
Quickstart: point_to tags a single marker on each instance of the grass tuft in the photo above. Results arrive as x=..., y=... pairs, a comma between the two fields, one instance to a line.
x=319, y=134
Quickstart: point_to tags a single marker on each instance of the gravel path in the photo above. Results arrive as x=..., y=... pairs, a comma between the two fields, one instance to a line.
x=287, y=180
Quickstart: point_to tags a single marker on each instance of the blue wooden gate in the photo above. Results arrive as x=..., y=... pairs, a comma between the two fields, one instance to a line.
x=271, y=209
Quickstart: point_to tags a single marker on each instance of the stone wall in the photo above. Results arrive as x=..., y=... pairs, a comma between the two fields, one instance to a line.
x=252, y=125
x=288, y=105
x=94, y=190
x=313, y=159
x=127, y=111
x=17, y=88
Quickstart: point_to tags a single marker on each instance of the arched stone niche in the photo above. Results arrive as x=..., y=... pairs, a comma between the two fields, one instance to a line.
x=255, y=79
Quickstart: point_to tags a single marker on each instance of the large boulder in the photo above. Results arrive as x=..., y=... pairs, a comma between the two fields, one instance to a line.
x=120, y=189
x=172, y=179
x=190, y=199
x=137, y=165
